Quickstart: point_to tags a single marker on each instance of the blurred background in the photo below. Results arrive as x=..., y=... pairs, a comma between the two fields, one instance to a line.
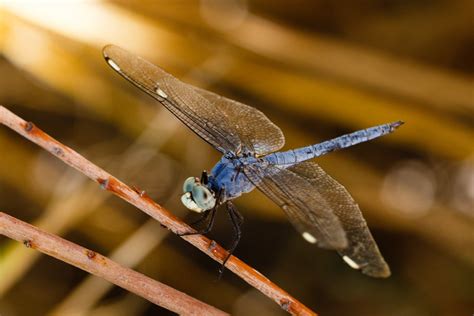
x=318, y=69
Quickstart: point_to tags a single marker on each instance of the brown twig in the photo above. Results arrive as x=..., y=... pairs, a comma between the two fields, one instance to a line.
x=147, y=205
x=101, y=266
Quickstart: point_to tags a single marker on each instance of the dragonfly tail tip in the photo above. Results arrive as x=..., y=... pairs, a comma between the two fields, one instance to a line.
x=395, y=125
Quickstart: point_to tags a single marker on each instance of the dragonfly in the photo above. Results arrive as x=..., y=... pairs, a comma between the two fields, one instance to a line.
x=319, y=207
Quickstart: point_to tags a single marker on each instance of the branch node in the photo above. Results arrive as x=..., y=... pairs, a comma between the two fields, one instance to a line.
x=163, y=226
x=141, y=193
x=29, y=126
x=104, y=183
x=58, y=151
x=212, y=245
x=216, y=249
x=91, y=254
x=285, y=304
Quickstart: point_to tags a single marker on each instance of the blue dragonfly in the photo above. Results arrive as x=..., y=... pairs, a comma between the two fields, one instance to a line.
x=318, y=206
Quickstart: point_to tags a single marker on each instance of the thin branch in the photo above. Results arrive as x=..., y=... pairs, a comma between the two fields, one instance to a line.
x=147, y=205
x=101, y=266
x=82, y=299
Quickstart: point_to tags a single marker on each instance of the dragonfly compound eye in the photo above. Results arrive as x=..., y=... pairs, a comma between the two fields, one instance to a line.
x=203, y=197
x=189, y=183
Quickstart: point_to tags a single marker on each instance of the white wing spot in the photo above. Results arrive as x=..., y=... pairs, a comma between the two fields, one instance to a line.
x=309, y=238
x=161, y=93
x=113, y=64
x=351, y=262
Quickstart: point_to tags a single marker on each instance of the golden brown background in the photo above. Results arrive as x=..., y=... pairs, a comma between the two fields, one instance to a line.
x=318, y=69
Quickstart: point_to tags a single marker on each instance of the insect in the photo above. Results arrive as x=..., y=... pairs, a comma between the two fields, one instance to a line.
x=319, y=207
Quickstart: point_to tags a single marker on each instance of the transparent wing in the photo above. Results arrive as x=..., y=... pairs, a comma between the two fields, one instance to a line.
x=208, y=121
x=257, y=133
x=225, y=124
x=362, y=249
x=306, y=209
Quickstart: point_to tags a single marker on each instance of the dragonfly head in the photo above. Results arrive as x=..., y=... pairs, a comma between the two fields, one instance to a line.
x=197, y=197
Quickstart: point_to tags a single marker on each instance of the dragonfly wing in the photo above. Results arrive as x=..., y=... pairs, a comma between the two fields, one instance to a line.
x=201, y=116
x=362, y=251
x=257, y=133
x=306, y=209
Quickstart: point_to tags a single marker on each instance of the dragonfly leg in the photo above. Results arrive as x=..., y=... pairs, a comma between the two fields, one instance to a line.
x=209, y=216
x=237, y=219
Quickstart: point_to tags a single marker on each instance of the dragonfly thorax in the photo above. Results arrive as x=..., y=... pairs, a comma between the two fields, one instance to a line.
x=197, y=196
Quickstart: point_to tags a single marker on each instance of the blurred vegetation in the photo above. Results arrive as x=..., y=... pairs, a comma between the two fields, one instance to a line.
x=316, y=68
